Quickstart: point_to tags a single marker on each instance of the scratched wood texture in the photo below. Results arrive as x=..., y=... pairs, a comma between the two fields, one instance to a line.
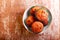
x=11, y=27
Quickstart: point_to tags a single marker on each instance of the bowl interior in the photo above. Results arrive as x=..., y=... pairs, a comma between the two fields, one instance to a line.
x=26, y=14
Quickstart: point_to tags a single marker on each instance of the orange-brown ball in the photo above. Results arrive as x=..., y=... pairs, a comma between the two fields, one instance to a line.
x=42, y=15
x=37, y=27
x=29, y=20
x=34, y=9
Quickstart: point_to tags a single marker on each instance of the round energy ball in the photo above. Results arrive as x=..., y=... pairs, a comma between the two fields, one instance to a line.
x=37, y=27
x=34, y=9
x=42, y=16
x=29, y=20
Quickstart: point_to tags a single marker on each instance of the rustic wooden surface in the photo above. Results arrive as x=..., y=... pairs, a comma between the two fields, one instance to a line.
x=11, y=27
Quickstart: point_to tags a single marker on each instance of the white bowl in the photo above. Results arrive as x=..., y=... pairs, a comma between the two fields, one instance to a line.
x=26, y=13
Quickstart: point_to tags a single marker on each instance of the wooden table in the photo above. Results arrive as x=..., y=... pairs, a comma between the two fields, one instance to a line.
x=11, y=27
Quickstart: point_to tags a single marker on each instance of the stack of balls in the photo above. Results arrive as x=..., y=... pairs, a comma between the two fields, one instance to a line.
x=38, y=19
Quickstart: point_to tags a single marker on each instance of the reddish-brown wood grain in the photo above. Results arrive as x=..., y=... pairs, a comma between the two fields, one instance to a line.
x=11, y=27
